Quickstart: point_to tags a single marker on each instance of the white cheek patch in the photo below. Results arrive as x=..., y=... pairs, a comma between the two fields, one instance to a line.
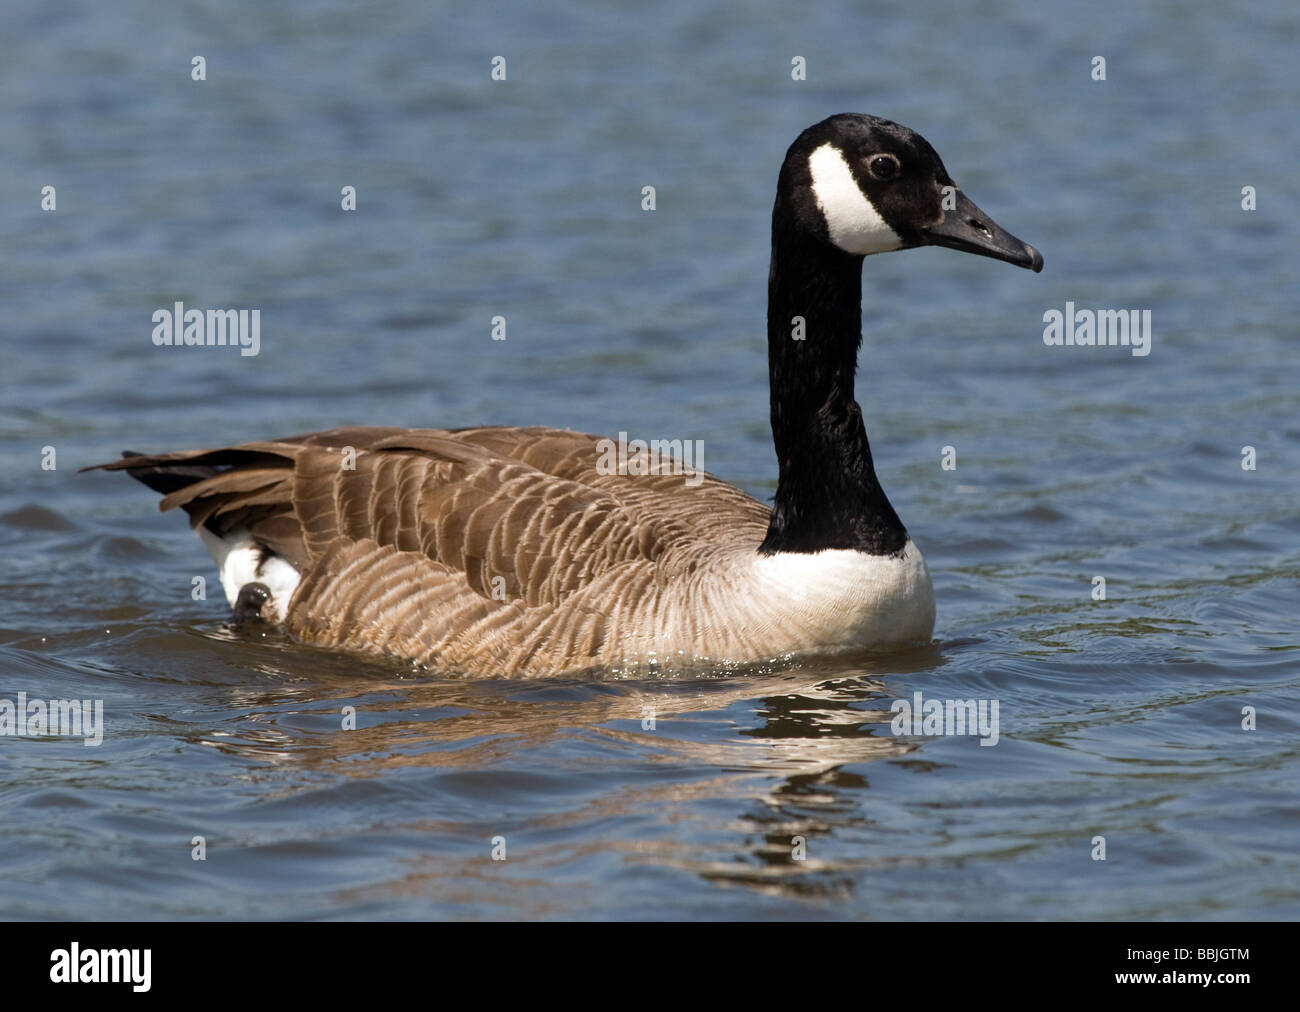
x=854, y=223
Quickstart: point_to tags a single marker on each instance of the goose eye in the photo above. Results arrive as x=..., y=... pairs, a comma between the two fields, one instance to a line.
x=883, y=166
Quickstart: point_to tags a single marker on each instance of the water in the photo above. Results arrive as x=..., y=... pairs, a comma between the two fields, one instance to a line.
x=1119, y=718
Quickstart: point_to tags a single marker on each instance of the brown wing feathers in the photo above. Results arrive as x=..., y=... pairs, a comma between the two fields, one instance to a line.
x=459, y=545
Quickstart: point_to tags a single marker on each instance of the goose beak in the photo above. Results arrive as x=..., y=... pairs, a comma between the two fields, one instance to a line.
x=970, y=230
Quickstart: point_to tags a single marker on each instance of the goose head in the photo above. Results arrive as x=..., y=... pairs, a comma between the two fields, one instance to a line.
x=868, y=185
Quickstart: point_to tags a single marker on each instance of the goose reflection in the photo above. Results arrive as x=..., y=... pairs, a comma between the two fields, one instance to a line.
x=783, y=748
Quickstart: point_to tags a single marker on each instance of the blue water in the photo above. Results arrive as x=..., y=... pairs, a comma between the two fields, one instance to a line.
x=522, y=198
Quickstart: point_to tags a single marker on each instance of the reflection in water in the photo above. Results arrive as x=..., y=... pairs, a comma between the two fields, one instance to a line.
x=779, y=766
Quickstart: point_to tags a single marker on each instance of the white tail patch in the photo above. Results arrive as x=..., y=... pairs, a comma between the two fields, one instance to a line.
x=854, y=223
x=242, y=560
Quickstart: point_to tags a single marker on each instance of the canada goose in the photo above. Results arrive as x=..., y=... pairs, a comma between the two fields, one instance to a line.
x=507, y=551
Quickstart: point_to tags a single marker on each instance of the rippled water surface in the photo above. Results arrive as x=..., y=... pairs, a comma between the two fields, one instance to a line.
x=639, y=797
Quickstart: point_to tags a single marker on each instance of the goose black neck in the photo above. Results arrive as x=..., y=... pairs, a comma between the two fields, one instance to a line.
x=827, y=494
